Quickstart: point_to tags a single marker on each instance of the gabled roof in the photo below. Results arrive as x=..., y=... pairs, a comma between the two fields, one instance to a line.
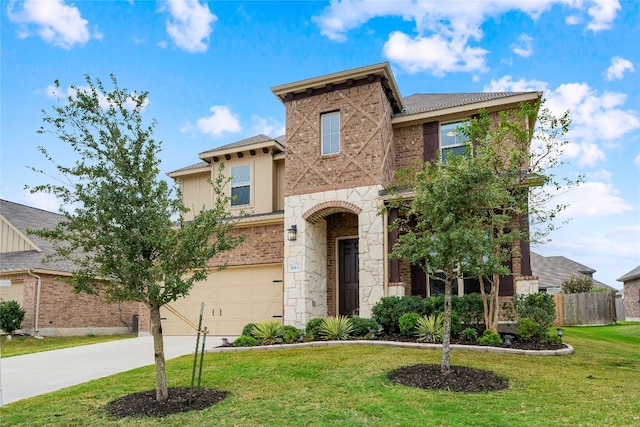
x=632, y=275
x=553, y=270
x=421, y=102
x=23, y=218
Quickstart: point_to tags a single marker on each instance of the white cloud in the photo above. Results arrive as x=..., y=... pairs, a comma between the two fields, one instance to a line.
x=190, y=24
x=523, y=46
x=602, y=13
x=435, y=54
x=618, y=67
x=636, y=161
x=55, y=22
x=221, y=121
x=591, y=199
x=45, y=201
x=269, y=126
x=507, y=84
x=447, y=28
x=586, y=153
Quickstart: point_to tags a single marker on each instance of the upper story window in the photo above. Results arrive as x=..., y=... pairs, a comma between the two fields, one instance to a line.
x=240, y=185
x=330, y=133
x=452, y=140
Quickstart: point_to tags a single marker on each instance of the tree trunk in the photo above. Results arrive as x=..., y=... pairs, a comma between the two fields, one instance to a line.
x=158, y=352
x=495, y=300
x=445, y=364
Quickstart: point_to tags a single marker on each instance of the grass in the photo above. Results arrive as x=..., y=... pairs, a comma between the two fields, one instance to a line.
x=25, y=345
x=596, y=386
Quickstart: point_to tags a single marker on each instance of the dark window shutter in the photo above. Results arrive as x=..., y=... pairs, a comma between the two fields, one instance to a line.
x=431, y=141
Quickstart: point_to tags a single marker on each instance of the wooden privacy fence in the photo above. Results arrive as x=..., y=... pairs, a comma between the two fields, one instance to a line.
x=588, y=308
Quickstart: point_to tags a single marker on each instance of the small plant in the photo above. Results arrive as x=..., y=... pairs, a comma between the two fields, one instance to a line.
x=469, y=334
x=313, y=327
x=245, y=341
x=551, y=339
x=528, y=329
x=389, y=309
x=577, y=284
x=539, y=307
x=431, y=328
x=290, y=334
x=268, y=331
x=248, y=329
x=336, y=328
x=408, y=323
x=11, y=316
x=363, y=326
x=490, y=337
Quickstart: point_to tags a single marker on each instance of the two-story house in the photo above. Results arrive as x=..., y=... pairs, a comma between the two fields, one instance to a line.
x=317, y=242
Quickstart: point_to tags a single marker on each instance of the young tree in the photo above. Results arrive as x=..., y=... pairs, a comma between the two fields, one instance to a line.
x=443, y=229
x=522, y=147
x=123, y=226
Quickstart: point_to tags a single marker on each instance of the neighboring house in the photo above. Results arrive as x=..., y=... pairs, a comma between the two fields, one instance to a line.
x=631, y=282
x=552, y=271
x=52, y=308
x=317, y=242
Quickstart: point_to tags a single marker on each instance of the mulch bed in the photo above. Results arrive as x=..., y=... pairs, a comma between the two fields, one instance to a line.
x=461, y=379
x=181, y=399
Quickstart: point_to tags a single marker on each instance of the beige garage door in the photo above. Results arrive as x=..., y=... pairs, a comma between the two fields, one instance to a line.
x=232, y=298
x=12, y=291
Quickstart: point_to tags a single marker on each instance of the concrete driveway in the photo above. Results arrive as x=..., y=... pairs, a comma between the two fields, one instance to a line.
x=39, y=373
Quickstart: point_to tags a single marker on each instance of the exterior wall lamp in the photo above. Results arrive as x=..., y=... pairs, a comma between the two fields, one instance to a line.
x=292, y=233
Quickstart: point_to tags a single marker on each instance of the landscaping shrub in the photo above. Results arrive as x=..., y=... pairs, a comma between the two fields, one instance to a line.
x=268, y=331
x=470, y=309
x=11, y=316
x=469, y=334
x=362, y=326
x=551, y=339
x=388, y=310
x=539, y=307
x=248, y=329
x=408, y=323
x=245, y=341
x=528, y=328
x=335, y=328
x=490, y=337
x=313, y=327
x=433, y=305
x=577, y=284
x=431, y=328
x=290, y=334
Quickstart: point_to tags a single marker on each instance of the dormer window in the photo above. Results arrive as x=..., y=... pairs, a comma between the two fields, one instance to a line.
x=240, y=185
x=452, y=140
x=330, y=123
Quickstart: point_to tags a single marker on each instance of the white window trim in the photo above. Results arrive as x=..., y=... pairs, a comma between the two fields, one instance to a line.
x=452, y=131
x=331, y=132
x=248, y=184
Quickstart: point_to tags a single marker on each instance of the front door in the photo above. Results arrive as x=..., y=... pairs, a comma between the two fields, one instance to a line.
x=348, y=283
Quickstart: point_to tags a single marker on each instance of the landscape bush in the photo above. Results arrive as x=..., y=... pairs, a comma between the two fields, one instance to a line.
x=469, y=334
x=362, y=326
x=539, y=307
x=431, y=328
x=335, y=328
x=248, y=329
x=388, y=310
x=290, y=334
x=470, y=309
x=11, y=316
x=245, y=341
x=528, y=329
x=268, y=331
x=490, y=338
x=576, y=284
x=408, y=323
x=313, y=327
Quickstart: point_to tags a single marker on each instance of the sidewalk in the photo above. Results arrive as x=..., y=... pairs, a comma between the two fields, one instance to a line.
x=44, y=372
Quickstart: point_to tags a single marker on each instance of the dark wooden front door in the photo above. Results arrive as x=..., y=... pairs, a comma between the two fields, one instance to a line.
x=348, y=283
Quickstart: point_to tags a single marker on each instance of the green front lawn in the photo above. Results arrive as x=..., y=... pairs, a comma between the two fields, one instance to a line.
x=25, y=345
x=598, y=385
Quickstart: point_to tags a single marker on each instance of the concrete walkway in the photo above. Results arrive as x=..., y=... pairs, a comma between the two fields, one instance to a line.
x=44, y=372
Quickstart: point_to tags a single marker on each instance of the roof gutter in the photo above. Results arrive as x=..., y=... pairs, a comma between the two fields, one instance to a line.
x=35, y=324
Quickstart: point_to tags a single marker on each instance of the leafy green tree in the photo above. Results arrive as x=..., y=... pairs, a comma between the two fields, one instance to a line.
x=123, y=226
x=11, y=316
x=577, y=284
x=523, y=147
x=444, y=229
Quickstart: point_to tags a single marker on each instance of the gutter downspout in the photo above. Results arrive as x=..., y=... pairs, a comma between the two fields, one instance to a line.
x=35, y=325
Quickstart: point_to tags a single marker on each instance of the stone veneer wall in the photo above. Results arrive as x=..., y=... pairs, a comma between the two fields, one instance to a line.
x=305, y=271
x=632, y=300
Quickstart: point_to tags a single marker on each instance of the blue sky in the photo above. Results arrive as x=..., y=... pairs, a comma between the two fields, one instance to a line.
x=209, y=65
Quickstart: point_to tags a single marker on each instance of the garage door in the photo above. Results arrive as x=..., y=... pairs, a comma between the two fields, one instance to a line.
x=232, y=298
x=12, y=291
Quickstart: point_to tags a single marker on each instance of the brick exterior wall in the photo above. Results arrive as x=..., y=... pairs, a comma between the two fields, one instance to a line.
x=62, y=308
x=338, y=225
x=366, y=154
x=632, y=299
x=264, y=245
x=408, y=143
